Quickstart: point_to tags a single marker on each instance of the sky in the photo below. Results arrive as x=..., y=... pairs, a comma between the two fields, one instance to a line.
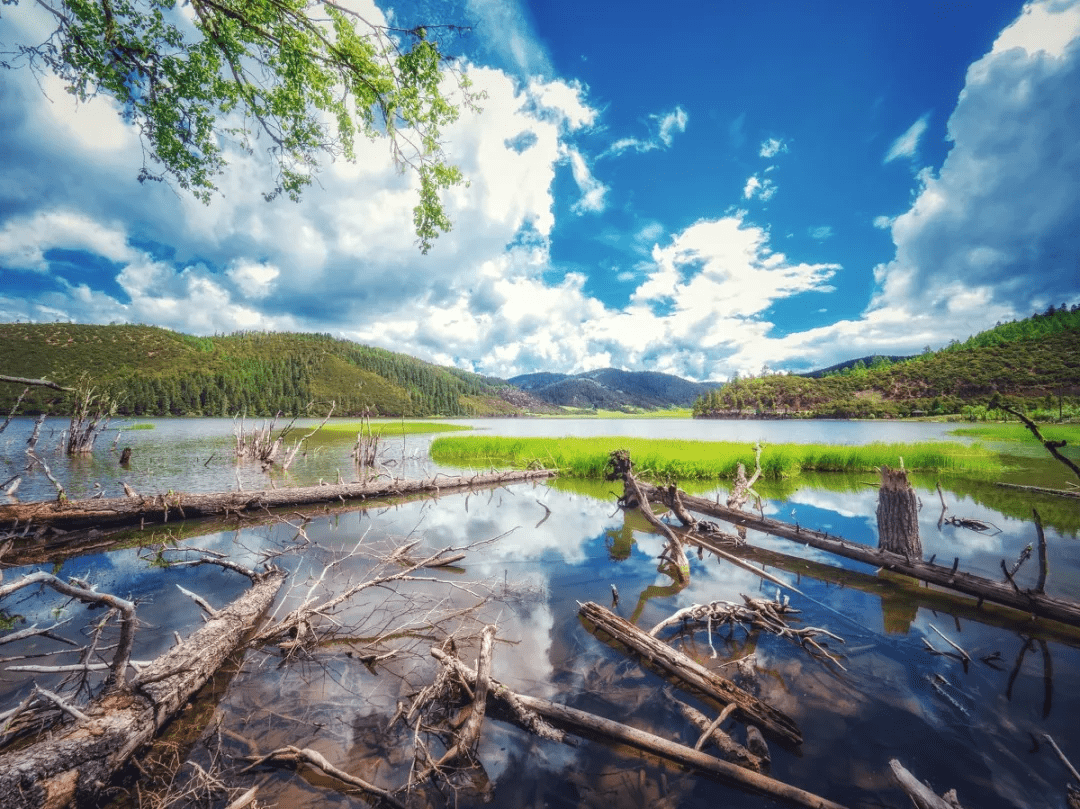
x=696, y=188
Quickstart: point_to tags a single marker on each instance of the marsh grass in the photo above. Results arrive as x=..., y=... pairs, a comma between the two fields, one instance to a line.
x=390, y=427
x=664, y=459
x=1019, y=433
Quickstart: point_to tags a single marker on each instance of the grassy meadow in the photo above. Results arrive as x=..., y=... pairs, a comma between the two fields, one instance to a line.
x=661, y=459
x=1019, y=433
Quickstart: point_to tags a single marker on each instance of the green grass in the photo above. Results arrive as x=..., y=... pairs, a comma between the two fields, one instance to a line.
x=661, y=459
x=141, y=425
x=391, y=427
x=1020, y=433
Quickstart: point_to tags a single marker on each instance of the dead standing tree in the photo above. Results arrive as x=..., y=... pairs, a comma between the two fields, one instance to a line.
x=898, y=514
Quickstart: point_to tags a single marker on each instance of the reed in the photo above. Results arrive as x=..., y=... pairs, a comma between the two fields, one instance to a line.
x=662, y=459
x=391, y=427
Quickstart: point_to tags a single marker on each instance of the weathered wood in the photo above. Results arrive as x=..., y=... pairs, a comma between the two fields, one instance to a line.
x=1039, y=604
x=76, y=763
x=898, y=515
x=622, y=468
x=45, y=383
x=921, y=795
x=692, y=674
x=1074, y=494
x=731, y=749
x=589, y=725
x=119, y=511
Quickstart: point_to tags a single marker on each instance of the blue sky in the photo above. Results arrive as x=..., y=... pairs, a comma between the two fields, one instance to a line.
x=691, y=187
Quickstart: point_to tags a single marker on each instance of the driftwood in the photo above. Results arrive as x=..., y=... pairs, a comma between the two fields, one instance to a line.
x=621, y=469
x=692, y=675
x=710, y=731
x=120, y=511
x=1051, y=446
x=1033, y=603
x=590, y=725
x=921, y=795
x=76, y=763
x=1071, y=493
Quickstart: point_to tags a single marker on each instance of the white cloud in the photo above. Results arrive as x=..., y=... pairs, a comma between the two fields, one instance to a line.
x=757, y=188
x=821, y=233
x=670, y=123
x=25, y=240
x=883, y=222
x=592, y=190
x=506, y=31
x=907, y=145
x=772, y=147
x=1000, y=220
x=663, y=127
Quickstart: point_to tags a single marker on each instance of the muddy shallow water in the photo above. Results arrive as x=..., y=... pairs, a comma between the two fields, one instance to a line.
x=977, y=729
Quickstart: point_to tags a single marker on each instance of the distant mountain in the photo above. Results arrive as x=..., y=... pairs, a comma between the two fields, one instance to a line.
x=612, y=389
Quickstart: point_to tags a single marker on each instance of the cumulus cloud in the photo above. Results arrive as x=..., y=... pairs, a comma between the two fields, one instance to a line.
x=758, y=188
x=772, y=147
x=907, y=145
x=999, y=223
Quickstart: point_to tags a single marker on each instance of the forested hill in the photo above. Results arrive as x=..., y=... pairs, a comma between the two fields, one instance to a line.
x=1035, y=362
x=611, y=388
x=154, y=371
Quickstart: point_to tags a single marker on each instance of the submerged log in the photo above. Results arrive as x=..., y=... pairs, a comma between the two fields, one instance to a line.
x=75, y=763
x=921, y=795
x=1033, y=603
x=898, y=515
x=689, y=673
x=119, y=511
x=589, y=725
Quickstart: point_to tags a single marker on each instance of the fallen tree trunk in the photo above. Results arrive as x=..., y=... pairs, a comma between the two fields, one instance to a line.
x=921, y=795
x=119, y=511
x=76, y=763
x=1040, y=604
x=1070, y=493
x=688, y=672
x=590, y=725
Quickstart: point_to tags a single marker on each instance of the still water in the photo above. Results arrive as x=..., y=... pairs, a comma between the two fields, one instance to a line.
x=976, y=728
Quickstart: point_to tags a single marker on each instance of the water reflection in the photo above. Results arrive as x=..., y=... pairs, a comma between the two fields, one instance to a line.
x=565, y=543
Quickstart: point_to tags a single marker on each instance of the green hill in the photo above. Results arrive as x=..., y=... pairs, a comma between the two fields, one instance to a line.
x=1034, y=362
x=156, y=372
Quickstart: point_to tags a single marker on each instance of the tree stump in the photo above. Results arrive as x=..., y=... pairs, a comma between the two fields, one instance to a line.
x=898, y=515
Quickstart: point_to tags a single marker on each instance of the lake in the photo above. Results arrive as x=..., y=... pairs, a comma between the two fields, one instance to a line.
x=534, y=551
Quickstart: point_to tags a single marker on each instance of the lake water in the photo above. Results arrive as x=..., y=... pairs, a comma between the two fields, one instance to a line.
x=976, y=728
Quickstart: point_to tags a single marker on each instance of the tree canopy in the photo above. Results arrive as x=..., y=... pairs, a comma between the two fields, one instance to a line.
x=304, y=76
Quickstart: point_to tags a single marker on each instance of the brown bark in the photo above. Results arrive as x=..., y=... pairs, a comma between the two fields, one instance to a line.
x=898, y=515
x=1039, y=604
x=592, y=726
x=119, y=511
x=687, y=673
x=74, y=764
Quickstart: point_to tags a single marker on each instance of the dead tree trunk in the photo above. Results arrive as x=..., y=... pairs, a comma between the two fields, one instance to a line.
x=1029, y=601
x=688, y=673
x=76, y=763
x=590, y=725
x=118, y=511
x=898, y=515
